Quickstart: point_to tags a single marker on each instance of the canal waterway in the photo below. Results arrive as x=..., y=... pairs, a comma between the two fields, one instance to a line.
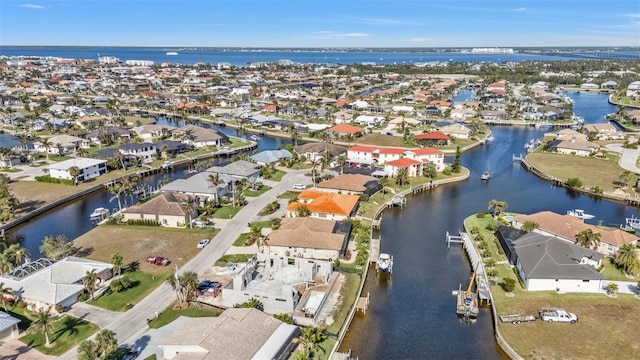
x=412, y=314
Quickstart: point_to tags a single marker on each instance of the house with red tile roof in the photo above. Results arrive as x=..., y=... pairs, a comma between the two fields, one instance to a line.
x=325, y=205
x=388, y=157
x=434, y=138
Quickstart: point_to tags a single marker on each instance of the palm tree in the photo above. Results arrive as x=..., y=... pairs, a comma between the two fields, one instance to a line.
x=587, y=238
x=342, y=160
x=189, y=206
x=6, y=263
x=215, y=180
x=88, y=350
x=46, y=144
x=626, y=177
x=311, y=337
x=384, y=182
x=302, y=211
x=325, y=160
x=89, y=281
x=402, y=176
x=43, y=320
x=116, y=261
x=74, y=171
x=106, y=342
x=17, y=254
x=497, y=206
x=627, y=259
x=314, y=167
x=612, y=288
x=174, y=281
x=4, y=290
x=530, y=225
x=116, y=189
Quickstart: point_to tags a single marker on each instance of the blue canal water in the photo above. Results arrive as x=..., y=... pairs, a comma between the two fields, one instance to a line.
x=412, y=313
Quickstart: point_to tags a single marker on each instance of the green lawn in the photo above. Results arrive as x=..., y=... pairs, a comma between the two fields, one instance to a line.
x=68, y=332
x=226, y=212
x=241, y=239
x=256, y=193
x=234, y=258
x=611, y=272
x=347, y=298
x=11, y=170
x=277, y=176
x=20, y=314
x=170, y=314
x=237, y=142
x=151, y=357
x=289, y=195
x=144, y=284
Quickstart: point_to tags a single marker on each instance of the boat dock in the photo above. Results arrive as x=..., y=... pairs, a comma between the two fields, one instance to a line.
x=375, y=250
x=476, y=263
x=363, y=303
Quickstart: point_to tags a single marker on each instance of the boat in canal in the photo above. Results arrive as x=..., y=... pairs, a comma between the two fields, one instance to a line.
x=486, y=175
x=384, y=263
x=467, y=301
x=580, y=214
x=254, y=137
x=99, y=214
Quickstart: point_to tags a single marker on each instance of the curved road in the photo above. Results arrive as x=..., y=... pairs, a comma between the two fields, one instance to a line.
x=628, y=159
x=129, y=323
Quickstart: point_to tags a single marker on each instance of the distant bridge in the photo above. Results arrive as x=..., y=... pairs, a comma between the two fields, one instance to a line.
x=593, y=55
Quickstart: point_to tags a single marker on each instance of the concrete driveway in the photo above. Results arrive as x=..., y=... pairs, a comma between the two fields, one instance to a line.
x=129, y=323
x=16, y=350
x=628, y=158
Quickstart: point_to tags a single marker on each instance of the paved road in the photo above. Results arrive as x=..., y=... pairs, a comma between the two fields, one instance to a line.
x=127, y=324
x=629, y=157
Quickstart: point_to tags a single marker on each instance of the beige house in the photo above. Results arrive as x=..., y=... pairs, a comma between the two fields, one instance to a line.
x=165, y=208
x=310, y=238
x=573, y=146
x=459, y=131
x=568, y=227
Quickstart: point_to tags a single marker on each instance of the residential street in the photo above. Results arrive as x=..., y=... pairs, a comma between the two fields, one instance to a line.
x=628, y=159
x=129, y=323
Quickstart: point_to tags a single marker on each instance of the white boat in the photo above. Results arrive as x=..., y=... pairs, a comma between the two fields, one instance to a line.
x=99, y=214
x=172, y=53
x=489, y=139
x=254, y=137
x=166, y=165
x=580, y=214
x=384, y=263
x=486, y=175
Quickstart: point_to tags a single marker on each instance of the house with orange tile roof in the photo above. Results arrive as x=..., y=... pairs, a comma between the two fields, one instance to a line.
x=568, y=227
x=345, y=130
x=325, y=205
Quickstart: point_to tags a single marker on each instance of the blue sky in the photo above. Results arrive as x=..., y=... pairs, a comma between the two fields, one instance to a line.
x=315, y=23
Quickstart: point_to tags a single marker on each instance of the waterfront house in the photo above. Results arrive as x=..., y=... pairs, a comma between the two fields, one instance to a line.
x=271, y=156
x=151, y=132
x=325, y=205
x=309, y=238
x=633, y=90
x=145, y=152
x=114, y=134
x=165, y=208
x=435, y=138
x=43, y=283
x=380, y=156
x=240, y=169
x=357, y=184
x=63, y=144
x=209, y=338
x=345, y=130
x=88, y=169
x=314, y=150
x=200, y=186
x=546, y=263
x=457, y=130
x=199, y=137
x=603, y=131
x=568, y=227
x=573, y=146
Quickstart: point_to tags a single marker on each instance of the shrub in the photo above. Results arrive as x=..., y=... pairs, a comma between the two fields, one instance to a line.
x=492, y=226
x=486, y=254
x=573, y=182
x=49, y=179
x=515, y=271
x=479, y=238
x=364, y=197
x=83, y=297
x=143, y=222
x=475, y=229
x=490, y=263
x=483, y=245
x=60, y=308
x=446, y=171
x=21, y=304
x=481, y=214
x=508, y=284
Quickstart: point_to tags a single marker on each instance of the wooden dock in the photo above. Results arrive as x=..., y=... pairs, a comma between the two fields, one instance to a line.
x=374, y=254
x=363, y=303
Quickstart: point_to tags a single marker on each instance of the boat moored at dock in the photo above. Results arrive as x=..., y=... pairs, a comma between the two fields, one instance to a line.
x=384, y=263
x=99, y=214
x=580, y=214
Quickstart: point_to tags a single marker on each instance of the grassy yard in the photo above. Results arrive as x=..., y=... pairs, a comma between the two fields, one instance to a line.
x=289, y=195
x=170, y=314
x=381, y=140
x=277, y=176
x=68, y=332
x=10, y=170
x=347, y=298
x=233, y=258
x=20, y=314
x=135, y=243
x=593, y=172
x=237, y=142
x=241, y=239
x=538, y=340
x=256, y=193
x=143, y=283
x=226, y=212
x=611, y=272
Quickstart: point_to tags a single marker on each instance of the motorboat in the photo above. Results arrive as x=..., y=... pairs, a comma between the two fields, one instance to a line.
x=254, y=137
x=172, y=53
x=99, y=214
x=486, y=175
x=489, y=139
x=384, y=263
x=580, y=214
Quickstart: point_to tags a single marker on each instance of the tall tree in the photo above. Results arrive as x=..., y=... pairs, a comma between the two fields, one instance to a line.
x=5, y=290
x=455, y=167
x=74, y=171
x=342, y=160
x=43, y=321
x=56, y=247
x=106, y=342
x=189, y=206
x=627, y=258
x=311, y=338
x=498, y=206
x=587, y=238
x=116, y=261
x=402, y=176
x=530, y=225
x=46, y=145
x=90, y=281
x=17, y=254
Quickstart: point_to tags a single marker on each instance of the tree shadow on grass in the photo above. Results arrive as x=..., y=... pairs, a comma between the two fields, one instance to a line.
x=83, y=252
x=132, y=266
x=70, y=326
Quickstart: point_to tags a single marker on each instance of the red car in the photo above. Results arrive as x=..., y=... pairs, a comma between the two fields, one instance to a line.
x=157, y=260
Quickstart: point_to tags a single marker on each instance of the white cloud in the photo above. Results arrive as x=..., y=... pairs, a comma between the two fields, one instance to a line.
x=637, y=15
x=32, y=6
x=330, y=33
x=521, y=9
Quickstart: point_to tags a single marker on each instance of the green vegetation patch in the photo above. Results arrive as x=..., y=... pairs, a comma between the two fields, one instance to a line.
x=67, y=333
x=255, y=193
x=170, y=314
x=233, y=258
x=277, y=176
x=348, y=294
x=226, y=212
x=142, y=284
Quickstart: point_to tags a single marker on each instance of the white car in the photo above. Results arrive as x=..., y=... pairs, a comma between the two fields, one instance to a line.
x=299, y=186
x=203, y=243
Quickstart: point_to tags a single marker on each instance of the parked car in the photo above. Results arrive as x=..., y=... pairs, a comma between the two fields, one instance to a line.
x=557, y=315
x=203, y=243
x=157, y=260
x=299, y=186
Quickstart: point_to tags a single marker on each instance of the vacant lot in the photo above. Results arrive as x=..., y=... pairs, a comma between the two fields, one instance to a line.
x=381, y=139
x=603, y=321
x=592, y=171
x=135, y=243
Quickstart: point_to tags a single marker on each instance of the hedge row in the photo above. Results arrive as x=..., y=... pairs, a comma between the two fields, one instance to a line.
x=49, y=179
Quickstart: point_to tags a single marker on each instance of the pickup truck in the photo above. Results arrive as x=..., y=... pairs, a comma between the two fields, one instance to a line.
x=557, y=315
x=157, y=260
